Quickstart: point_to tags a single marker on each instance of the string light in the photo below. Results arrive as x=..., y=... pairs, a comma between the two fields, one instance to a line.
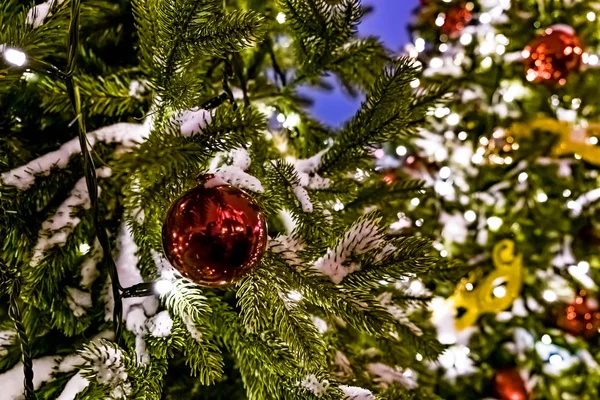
x=591, y=16
x=415, y=201
x=555, y=359
x=466, y=39
x=163, y=287
x=542, y=197
x=453, y=119
x=84, y=248
x=566, y=193
x=469, y=286
x=499, y=291
x=401, y=151
x=445, y=173
x=462, y=135
x=549, y=296
x=420, y=44
x=583, y=267
x=494, y=223
x=546, y=339
x=15, y=57
x=470, y=216
x=415, y=83
x=523, y=177
x=280, y=18
x=419, y=357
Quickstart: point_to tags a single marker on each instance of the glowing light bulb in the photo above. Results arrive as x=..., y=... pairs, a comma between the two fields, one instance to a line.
x=466, y=39
x=420, y=44
x=566, y=193
x=523, y=177
x=591, y=16
x=469, y=286
x=549, y=296
x=84, y=248
x=583, y=267
x=494, y=223
x=462, y=135
x=163, y=286
x=546, y=339
x=401, y=151
x=436, y=62
x=542, y=197
x=555, y=359
x=445, y=173
x=499, y=291
x=15, y=57
x=453, y=119
x=419, y=357
x=470, y=216
x=280, y=18
x=415, y=83
x=415, y=201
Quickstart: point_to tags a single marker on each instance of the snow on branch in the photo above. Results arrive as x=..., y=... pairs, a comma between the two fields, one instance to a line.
x=191, y=122
x=309, y=179
x=107, y=366
x=235, y=174
x=126, y=134
x=363, y=236
x=287, y=247
x=56, y=230
x=356, y=393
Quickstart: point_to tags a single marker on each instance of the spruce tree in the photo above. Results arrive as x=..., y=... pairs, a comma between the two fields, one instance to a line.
x=113, y=110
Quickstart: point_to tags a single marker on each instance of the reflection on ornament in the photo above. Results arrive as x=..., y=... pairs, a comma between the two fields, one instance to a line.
x=215, y=233
x=580, y=318
x=456, y=19
x=551, y=57
x=509, y=385
x=496, y=292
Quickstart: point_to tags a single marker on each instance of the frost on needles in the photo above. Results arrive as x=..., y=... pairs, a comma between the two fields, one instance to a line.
x=169, y=90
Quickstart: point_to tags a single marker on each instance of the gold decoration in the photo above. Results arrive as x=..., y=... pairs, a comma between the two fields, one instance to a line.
x=574, y=139
x=496, y=292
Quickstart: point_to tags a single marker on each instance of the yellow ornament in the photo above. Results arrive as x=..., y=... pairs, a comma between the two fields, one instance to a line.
x=496, y=292
x=574, y=139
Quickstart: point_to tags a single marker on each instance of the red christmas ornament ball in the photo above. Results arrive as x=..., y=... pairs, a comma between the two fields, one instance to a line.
x=581, y=318
x=509, y=385
x=456, y=19
x=215, y=233
x=551, y=57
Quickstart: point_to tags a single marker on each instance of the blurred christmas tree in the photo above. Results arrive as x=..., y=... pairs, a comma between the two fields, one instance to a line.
x=129, y=126
x=512, y=164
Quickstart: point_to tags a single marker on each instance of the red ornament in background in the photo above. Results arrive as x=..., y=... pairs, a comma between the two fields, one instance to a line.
x=456, y=19
x=581, y=318
x=553, y=56
x=509, y=385
x=215, y=233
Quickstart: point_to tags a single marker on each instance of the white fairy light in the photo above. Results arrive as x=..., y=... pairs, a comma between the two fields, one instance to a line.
x=494, y=223
x=469, y=286
x=508, y=160
x=549, y=296
x=499, y=291
x=591, y=16
x=415, y=83
x=84, y=248
x=486, y=63
x=485, y=18
x=546, y=339
x=445, y=173
x=593, y=59
x=443, y=48
x=338, y=206
x=291, y=121
x=555, y=359
x=15, y=57
x=416, y=286
x=281, y=118
x=419, y=222
x=523, y=177
x=583, y=267
x=401, y=151
x=567, y=193
x=415, y=201
x=500, y=49
x=280, y=18
x=466, y=39
x=470, y=216
x=163, y=286
x=484, y=141
x=462, y=135
x=571, y=205
x=593, y=140
x=453, y=119
x=436, y=63
x=542, y=197
x=420, y=44
x=439, y=21
x=477, y=158
x=419, y=357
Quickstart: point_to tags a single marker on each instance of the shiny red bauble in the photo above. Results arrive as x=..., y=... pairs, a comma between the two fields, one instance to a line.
x=551, y=57
x=580, y=318
x=215, y=233
x=456, y=19
x=509, y=385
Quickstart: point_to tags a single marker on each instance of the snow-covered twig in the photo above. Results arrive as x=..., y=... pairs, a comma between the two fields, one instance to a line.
x=364, y=235
x=126, y=134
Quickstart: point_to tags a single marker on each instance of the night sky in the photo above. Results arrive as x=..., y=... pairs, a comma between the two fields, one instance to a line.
x=389, y=21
